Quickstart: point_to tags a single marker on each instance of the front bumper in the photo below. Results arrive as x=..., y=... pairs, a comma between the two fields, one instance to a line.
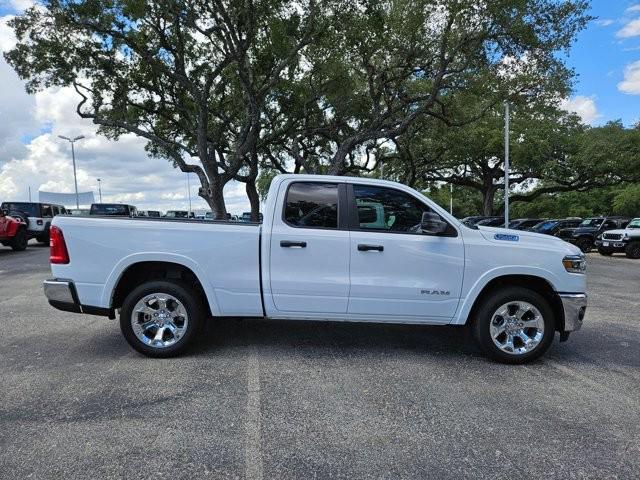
x=62, y=295
x=574, y=306
x=615, y=245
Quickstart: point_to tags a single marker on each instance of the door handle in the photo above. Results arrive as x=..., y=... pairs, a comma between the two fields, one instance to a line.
x=364, y=248
x=290, y=244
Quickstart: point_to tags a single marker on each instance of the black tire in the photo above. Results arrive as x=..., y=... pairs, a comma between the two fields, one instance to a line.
x=632, y=250
x=483, y=317
x=20, y=241
x=605, y=251
x=191, y=301
x=44, y=239
x=20, y=216
x=584, y=244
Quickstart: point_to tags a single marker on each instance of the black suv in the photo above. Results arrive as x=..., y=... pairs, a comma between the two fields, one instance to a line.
x=552, y=227
x=524, y=223
x=37, y=216
x=584, y=235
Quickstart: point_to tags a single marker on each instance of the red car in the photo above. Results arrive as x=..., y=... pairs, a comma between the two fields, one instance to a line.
x=13, y=232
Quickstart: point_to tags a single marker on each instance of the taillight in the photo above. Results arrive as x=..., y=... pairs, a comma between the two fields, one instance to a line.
x=58, y=251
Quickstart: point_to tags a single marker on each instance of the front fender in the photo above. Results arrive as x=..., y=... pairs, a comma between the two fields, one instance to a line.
x=467, y=302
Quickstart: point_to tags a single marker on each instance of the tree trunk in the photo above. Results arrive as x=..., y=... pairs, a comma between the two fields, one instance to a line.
x=487, y=200
x=215, y=199
x=254, y=199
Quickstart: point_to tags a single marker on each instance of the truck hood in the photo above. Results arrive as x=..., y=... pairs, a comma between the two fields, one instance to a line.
x=584, y=230
x=620, y=231
x=515, y=238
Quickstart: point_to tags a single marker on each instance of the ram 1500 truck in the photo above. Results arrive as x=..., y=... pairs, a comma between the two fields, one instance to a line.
x=329, y=248
x=625, y=240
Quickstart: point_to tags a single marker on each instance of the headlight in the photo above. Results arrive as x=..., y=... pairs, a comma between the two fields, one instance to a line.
x=599, y=237
x=575, y=263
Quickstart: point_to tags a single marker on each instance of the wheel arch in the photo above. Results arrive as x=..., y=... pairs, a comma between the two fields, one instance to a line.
x=536, y=283
x=144, y=270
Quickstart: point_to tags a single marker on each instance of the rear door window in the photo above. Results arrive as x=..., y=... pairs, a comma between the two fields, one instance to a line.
x=47, y=211
x=312, y=205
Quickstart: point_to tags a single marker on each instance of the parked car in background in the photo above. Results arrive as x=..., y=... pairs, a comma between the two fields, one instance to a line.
x=584, y=235
x=179, y=214
x=246, y=217
x=625, y=240
x=491, y=222
x=78, y=211
x=471, y=221
x=553, y=226
x=113, y=210
x=149, y=213
x=13, y=232
x=36, y=216
x=315, y=258
x=524, y=223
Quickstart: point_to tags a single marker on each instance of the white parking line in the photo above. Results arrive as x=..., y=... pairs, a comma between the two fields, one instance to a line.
x=253, y=454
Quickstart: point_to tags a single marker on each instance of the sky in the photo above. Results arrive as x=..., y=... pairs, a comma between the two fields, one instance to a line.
x=605, y=57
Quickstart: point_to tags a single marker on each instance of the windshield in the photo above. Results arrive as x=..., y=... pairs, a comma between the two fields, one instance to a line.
x=31, y=209
x=635, y=223
x=545, y=225
x=109, y=209
x=592, y=222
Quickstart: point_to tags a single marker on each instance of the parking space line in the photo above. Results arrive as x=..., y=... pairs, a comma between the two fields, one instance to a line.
x=253, y=454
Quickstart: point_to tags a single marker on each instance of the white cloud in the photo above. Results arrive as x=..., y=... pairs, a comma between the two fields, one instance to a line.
x=631, y=29
x=633, y=8
x=631, y=81
x=605, y=22
x=584, y=107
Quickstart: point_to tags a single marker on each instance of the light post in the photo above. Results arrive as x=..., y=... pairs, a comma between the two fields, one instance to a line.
x=451, y=198
x=73, y=157
x=506, y=164
x=100, y=190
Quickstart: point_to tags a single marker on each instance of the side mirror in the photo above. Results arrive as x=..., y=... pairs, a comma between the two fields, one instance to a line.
x=432, y=224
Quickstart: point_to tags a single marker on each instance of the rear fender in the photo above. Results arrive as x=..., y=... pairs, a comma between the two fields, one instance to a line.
x=119, y=269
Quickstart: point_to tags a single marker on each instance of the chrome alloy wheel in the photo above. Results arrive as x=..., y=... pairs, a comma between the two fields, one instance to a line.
x=159, y=320
x=517, y=327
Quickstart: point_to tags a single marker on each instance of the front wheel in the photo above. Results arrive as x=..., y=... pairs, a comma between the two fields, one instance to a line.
x=514, y=325
x=160, y=318
x=632, y=250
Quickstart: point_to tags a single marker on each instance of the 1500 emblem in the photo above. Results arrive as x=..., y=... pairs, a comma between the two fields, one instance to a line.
x=435, y=292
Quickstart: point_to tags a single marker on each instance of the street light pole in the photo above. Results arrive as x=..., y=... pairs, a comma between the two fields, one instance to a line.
x=451, y=198
x=506, y=164
x=189, y=193
x=99, y=190
x=73, y=157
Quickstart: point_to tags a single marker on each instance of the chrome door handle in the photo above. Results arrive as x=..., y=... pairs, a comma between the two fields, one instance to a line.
x=364, y=248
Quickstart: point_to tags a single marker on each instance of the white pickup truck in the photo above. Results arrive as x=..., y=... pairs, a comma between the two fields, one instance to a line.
x=329, y=248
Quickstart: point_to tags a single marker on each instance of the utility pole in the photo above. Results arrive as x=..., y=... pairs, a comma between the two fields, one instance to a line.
x=29, y=192
x=506, y=164
x=100, y=190
x=451, y=198
x=73, y=156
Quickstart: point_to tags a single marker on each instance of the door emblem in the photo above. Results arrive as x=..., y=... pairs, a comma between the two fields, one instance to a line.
x=435, y=292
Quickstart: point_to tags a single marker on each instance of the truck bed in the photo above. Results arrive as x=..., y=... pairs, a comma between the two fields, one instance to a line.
x=223, y=254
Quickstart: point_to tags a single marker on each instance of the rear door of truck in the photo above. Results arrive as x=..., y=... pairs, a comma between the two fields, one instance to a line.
x=309, y=248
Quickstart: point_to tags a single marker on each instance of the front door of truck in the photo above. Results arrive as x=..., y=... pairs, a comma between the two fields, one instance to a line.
x=396, y=270
x=309, y=252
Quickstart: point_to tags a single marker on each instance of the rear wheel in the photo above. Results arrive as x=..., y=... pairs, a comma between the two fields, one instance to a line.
x=19, y=242
x=514, y=325
x=160, y=318
x=632, y=250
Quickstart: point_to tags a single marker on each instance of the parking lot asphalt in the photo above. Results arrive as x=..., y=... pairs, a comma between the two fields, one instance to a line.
x=273, y=399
